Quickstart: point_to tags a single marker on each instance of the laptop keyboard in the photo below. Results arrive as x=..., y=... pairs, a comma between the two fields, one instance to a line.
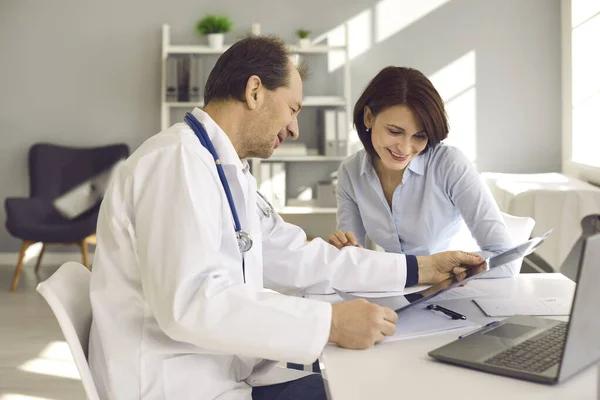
x=536, y=354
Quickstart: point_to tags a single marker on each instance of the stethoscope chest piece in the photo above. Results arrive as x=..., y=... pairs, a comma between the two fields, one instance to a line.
x=244, y=241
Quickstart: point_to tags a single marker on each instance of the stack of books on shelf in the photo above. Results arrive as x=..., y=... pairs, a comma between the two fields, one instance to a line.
x=291, y=149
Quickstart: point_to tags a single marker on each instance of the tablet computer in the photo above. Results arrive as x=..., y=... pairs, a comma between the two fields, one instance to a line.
x=404, y=301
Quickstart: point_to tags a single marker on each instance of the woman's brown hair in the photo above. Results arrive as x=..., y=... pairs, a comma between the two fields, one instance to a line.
x=394, y=86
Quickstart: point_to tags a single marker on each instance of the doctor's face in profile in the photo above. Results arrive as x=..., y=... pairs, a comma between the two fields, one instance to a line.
x=276, y=119
x=397, y=136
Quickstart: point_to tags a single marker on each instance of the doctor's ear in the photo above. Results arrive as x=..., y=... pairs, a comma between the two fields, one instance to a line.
x=253, y=92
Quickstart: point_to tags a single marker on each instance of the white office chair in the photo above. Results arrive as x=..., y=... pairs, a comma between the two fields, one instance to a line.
x=67, y=292
x=519, y=230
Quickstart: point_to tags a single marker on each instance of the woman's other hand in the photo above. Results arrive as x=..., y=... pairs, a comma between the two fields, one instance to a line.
x=340, y=239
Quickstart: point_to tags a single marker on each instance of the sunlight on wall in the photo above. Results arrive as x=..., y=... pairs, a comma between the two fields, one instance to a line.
x=386, y=19
x=392, y=16
x=585, y=23
x=54, y=360
x=456, y=84
x=359, y=39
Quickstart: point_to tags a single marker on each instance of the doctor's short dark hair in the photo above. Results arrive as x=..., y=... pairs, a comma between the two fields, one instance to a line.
x=264, y=56
x=394, y=86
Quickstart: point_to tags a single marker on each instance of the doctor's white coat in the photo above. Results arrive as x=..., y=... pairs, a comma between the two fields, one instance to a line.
x=172, y=318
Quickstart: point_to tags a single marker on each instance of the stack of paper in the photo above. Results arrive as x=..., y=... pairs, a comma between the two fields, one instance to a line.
x=528, y=306
x=419, y=321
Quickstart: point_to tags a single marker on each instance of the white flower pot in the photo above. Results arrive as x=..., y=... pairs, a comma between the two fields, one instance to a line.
x=304, y=43
x=215, y=40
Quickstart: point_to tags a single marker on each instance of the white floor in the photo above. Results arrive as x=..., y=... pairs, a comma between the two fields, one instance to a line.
x=35, y=363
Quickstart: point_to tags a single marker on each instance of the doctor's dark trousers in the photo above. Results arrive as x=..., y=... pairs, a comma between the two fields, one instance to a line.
x=310, y=387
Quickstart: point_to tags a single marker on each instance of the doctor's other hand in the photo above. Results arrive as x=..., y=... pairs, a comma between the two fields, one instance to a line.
x=359, y=324
x=437, y=267
x=340, y=239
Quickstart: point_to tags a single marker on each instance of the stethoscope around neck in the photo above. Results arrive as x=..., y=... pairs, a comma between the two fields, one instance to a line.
x=243, y=238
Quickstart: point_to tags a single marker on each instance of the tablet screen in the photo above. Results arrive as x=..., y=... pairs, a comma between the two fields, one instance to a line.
x=402, y=302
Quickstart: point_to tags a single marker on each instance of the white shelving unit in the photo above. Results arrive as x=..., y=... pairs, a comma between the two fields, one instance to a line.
x=342, y=101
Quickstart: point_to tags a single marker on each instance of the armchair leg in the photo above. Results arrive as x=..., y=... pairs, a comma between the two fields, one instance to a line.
x=24, y=247
x=39, y=260
x=84, y=253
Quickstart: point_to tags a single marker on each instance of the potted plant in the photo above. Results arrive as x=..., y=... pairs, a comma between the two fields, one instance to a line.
x=303, y=40
x=214, y=27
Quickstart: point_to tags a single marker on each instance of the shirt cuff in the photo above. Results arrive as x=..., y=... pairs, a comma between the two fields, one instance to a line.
x=412, y=271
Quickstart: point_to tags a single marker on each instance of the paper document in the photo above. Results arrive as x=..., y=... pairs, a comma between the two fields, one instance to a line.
x=460, y=292
x=420, y=321
x=525, y=306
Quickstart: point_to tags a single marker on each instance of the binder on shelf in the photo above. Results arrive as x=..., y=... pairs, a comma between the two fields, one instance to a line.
x=329, y=125
x=272, y=183
x=195, y=81
x=266, y=185
x=183, y=78
x=342, y=133
x=171, y=79
x=278, y=184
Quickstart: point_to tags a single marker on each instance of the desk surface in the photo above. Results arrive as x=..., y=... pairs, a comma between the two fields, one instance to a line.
x=402, y=369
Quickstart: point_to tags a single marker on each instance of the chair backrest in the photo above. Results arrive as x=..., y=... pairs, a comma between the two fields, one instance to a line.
x=519, y=230
x=67, y=292
x=54, y=169
x=590, y=226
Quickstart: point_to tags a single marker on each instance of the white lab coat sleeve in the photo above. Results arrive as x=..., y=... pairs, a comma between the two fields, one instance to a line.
x=192, y=286
x=293, y=266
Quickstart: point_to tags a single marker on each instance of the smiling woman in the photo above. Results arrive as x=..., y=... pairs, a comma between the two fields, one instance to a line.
x=406, y=190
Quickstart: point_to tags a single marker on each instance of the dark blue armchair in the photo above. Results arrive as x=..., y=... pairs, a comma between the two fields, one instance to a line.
x=54, y=170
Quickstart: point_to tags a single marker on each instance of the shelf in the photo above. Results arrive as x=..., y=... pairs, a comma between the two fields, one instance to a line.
x=307, y=210
x=303, y=158
x=195, y=50
x=315, y=101
x=316, y=49
x=308, y=101
x=185, y=104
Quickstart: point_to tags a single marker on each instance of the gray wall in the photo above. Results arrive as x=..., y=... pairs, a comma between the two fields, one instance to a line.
x=88, y=73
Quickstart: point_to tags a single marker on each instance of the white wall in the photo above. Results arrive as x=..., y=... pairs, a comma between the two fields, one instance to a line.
x=87, y=73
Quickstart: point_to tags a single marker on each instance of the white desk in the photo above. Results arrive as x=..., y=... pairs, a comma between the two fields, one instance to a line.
x=402, y=369
x=554, y=201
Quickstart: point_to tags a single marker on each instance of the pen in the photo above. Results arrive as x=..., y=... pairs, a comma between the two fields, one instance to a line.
x=478, y=330
x=450, y=313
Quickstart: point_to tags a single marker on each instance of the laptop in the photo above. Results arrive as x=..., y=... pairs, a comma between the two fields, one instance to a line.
x=403, y=302
x=539, y=349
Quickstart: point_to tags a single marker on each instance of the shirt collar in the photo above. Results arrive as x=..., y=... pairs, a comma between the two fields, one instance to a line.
x=416, y=165
x=223, y=146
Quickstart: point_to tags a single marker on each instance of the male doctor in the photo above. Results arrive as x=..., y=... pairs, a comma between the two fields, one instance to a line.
x=179, y=310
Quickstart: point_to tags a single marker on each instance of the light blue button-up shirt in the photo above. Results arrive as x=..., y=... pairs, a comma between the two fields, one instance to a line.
x=440, y=189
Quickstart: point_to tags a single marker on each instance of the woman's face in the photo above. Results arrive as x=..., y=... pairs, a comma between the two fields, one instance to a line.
x=396, y=135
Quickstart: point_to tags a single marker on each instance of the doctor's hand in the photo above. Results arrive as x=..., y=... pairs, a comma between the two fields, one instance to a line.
x=340, y=239
x=437, y=267
x=359, y=324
